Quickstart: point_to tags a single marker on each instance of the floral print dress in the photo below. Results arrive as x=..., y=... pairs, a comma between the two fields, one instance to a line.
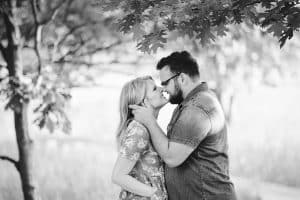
x=135, y=145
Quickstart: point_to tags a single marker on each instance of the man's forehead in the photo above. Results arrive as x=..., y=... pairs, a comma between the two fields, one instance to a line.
x=165, y=71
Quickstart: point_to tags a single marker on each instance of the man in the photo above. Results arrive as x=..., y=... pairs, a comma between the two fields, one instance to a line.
x=195, y=149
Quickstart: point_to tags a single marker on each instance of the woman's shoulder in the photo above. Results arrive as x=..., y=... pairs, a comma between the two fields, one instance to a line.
x=135, y=126
x=135, y=132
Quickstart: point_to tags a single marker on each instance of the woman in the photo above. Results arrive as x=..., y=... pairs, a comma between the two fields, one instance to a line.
x=138, y=169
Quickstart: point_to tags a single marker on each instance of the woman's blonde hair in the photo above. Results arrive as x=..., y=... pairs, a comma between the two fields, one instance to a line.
x=133, y=92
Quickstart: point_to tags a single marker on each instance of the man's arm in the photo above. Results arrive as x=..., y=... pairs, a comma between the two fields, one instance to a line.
x=172, y=153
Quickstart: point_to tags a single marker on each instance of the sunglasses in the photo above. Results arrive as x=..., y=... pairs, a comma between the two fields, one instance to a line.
x=165, y=83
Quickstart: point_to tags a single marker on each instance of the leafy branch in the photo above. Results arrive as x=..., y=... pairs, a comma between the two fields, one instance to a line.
x=203, y=20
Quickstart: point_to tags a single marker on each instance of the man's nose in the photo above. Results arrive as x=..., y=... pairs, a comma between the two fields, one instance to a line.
x=161, y=89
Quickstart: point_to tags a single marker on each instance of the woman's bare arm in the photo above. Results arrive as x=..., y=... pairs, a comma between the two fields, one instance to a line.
x=121, y=177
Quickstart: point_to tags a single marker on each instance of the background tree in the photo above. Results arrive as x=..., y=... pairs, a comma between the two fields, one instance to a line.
x=155, y=24
x=40, y=42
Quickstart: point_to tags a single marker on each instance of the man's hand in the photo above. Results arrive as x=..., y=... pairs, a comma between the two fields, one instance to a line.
x=144, y=114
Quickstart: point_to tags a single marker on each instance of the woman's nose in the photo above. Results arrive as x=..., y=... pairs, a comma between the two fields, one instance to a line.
x=161, y=89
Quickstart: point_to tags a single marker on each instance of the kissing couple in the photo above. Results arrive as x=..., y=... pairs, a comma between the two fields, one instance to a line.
x=190, y=161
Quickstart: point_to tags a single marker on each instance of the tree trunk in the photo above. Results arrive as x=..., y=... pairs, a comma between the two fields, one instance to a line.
x=12, y=56
x=26, y=153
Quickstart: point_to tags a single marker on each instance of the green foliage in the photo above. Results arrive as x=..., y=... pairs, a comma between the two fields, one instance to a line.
x=201, y=20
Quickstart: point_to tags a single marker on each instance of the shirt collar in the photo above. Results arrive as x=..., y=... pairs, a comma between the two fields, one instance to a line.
x=199, y=88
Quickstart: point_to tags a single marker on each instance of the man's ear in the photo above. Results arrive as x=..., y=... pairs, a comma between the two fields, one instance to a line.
x=183, y=78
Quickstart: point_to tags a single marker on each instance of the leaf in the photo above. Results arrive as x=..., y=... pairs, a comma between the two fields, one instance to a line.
x=187, y=29
x=136, y=5
x=4, y=7
x=170, y=24
x=59, y=100
x=286, y=35
x=126, y=24
x=221, y=30
x=106, y=5
x=41, y=123
x=294, y=19
x=66, y=95
x=238, y=16
x=14, y=103
x=266, y=4
x=252, y=16
x=172, y=2
x=206, y=37
x=277, y=29
x=155, y=46
x=66, y=128
x=138, y=31
x=152, y=42
x=38, y=108
x=50, y=125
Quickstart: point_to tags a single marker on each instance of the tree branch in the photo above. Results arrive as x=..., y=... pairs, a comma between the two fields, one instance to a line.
x=53, y=13
x=11, y=160
x=77, y=62
x=71, y=31
x=240, y=3
x=37, y=35
x=12, y=33
x=81, y=62
x=3, y=51
x=72, y=51
x=9, y=28
x=38, y=28
x=100, y=49
x=28, y=47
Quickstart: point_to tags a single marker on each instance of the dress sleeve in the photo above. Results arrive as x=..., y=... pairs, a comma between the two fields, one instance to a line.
x=135, y=142
x=192, y=127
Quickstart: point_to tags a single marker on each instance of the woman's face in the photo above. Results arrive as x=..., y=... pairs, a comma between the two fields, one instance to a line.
x=155, y=95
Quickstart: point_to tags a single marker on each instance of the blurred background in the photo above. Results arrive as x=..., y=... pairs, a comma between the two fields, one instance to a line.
x=257, y=83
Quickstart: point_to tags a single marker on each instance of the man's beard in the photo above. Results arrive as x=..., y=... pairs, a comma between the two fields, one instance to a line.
x=177, y=98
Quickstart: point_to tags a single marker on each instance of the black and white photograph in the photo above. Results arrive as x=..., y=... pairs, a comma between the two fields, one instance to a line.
x=149, y=99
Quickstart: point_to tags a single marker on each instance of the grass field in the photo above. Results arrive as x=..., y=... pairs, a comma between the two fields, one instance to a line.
x=264, y=146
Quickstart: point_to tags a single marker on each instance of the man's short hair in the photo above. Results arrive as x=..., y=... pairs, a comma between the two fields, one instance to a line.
x=180, y=62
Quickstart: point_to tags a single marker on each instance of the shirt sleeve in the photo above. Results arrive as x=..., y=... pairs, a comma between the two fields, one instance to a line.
x=134, y=143
x=192, y=127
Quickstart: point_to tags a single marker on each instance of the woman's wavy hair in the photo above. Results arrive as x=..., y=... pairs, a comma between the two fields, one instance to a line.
x=133, y=92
